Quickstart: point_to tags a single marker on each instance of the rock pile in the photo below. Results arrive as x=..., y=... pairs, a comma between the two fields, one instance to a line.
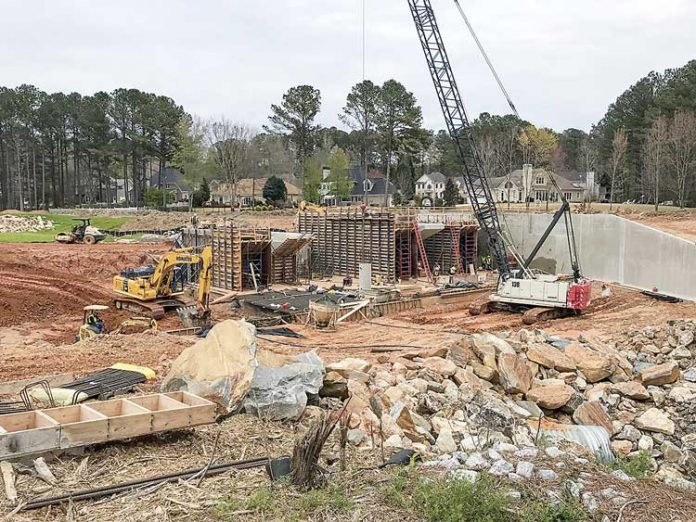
x=10, y=223
x=487, y=389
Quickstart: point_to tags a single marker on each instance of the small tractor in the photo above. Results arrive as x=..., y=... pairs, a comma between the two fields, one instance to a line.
x=82, y=233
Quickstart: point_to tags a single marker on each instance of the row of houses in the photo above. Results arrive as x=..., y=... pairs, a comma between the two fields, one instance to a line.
x=371, y=187
x=522, y=185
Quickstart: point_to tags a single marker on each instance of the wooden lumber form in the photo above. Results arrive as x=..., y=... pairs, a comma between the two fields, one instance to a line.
x=66, y=427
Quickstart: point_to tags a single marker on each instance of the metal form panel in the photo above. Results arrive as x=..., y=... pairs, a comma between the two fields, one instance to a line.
x=344, y=239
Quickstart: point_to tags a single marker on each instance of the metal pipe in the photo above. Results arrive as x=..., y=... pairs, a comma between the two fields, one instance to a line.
x=106, y=491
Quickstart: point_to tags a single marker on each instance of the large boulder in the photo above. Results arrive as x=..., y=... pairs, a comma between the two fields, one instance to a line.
x=593, y=414
x=594, y=365
x=461, y=353
x=484, y=372
x=346, y=366
x=467, y=378
x=404, y=420
x=335, y=385
x=550, y=357
x=656, y=421
x=552, y=396
x=514, y=373
x=281, y=393
x=219, y=367
x=666, y=373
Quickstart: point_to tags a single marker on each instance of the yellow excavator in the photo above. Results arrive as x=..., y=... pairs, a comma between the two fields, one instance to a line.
x=311, y=207
x=156, y=290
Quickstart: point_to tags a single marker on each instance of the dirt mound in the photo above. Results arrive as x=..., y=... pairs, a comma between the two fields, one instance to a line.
x=282, y=219
x=46, y=282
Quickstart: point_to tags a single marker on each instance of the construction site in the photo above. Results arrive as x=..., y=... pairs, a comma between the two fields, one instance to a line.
x=340, y=304
x=348, y=356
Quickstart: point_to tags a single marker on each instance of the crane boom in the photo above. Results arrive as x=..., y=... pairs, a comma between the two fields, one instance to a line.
x=460, y=131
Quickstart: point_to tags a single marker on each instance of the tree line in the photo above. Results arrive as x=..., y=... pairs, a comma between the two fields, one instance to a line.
x=62, y=150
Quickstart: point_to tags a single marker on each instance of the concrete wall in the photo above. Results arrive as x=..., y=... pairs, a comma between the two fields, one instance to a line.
x=612, y=249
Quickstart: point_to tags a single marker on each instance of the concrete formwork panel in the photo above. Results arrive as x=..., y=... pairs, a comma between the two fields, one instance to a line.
x=612, y=249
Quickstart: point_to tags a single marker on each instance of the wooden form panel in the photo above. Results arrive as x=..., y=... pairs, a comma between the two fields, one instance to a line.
x=72, y=426
x=227, y=258
x=28, y=432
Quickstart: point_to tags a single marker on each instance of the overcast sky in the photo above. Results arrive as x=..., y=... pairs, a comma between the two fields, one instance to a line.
x=563, y=61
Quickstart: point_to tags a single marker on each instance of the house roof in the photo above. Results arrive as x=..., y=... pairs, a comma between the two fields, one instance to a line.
x=375, y=176
x=564, y=183
x=437, y=177
x=170, y=176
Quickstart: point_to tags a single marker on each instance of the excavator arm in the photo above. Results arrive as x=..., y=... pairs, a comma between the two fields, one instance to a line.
x=205, y=280
x=164, y=271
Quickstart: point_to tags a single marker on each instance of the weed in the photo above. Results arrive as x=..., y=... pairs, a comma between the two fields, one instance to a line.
x=568, y=510
x=280, y=503
x=395, y=492
x=263, y=501
x=461, y=501
x=331, y=498
x=638, y=467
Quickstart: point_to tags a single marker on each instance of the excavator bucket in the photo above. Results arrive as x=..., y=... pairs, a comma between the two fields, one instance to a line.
x=193, y=317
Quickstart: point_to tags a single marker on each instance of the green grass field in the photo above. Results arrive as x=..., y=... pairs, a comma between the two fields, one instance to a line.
x=63, y=223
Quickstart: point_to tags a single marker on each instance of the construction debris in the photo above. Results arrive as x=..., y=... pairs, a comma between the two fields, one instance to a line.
x=281, y=393
x=143, y=484
x=10, y=223
x=495, y=389
x=8, y=478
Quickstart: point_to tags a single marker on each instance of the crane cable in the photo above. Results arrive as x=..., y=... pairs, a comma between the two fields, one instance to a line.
x=486, y=58
x=570, y=232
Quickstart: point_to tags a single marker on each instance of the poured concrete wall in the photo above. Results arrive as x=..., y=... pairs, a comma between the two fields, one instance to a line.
x=612, y=249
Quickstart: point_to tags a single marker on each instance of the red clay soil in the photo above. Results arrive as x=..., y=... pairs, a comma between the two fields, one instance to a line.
x=44, y=282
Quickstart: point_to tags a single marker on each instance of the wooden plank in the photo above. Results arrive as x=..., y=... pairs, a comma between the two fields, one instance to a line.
x=125, y=418
x=40, y=431
x=79, y=425
x=8, y=477
x=201, y=411
x=167, y=413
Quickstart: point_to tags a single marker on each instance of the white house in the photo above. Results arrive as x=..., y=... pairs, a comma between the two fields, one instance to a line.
x=535, y=184
x=431, y=185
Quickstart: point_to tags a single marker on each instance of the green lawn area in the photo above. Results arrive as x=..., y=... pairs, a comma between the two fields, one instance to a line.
x=63, y=223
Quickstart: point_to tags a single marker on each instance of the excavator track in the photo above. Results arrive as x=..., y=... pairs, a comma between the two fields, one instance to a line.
x=541, y=313
x=153, y=310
